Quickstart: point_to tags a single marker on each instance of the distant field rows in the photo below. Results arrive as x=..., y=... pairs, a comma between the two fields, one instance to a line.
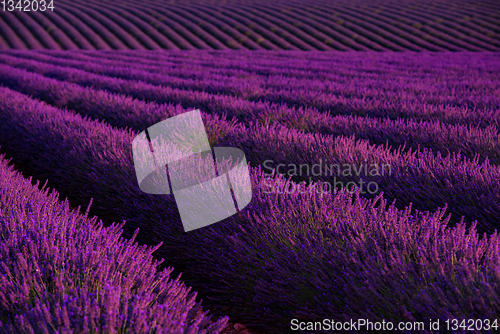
x=312, y=121
x=435, y=135
x=300, y=88
x=71, y=119
x=477, y=179
x=462, y=107
x=256, y=25
x=258, y=253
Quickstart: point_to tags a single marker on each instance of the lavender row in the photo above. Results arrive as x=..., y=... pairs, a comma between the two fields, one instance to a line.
x=388, y=40
x=383, y=86
x=259, y=88
x=86, y=31
x=176, y=31
x=20, y=30
x=409, y=42
x=291, y=26
x=189, y=32
x=478, y=32
x=470, y=141
x=289, y=32
x=328, y=36
x=232, y=61
x=35, y=31
x=72, y=31
x=132, y=36
x=238, y=80
x=221, y=34
x=378, y=26
x=241, y=33
x=484, y=14
x=478, y=26
x=64, y=272
x=100, y=35
x=261, y=24
x=57, y=34
x=160, y=37
x=10, y=36
x=214, y=70
x=428, y=134
x=240, y=108
x=3, y=43
x=169, y=34
x=305, y=65
x=423, y=172
x=435, y=37
x=467, y=84
x=365, y=44
x=116, y=109
x=439, y=31
x=206, y=37
x=214, y=75
x=286, y=42
x=249, y=263
x=357, y=32
x=470, y=29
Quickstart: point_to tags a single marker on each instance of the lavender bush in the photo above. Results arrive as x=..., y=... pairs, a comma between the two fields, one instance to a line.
x=63, y=272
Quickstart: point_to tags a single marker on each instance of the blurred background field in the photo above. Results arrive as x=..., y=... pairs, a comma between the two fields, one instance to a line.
x=256, y=25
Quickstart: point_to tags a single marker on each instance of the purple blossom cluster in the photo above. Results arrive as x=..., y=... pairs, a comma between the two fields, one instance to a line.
x=63, y=272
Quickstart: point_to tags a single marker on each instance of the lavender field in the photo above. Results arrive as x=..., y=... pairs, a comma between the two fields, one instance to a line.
x=358, y=25
x=314, y=111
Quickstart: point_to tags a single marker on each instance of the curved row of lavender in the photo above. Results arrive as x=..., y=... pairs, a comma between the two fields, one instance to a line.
x=469, y=172
x=346, y=25
x=63, y=272
x=288, y=255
